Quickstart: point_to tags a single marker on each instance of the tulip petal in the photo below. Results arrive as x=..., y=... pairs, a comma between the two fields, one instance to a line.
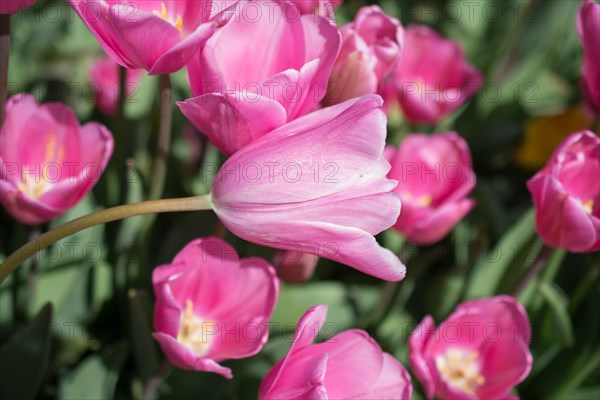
x=230, y=121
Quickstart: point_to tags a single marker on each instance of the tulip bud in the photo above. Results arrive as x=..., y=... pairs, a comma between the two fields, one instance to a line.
x=588, y=26
x=294, y=266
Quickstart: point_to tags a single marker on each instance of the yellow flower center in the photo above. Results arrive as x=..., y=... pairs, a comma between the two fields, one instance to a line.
x=424, y=201
x=193, y=331
x=460, y=369
x=588, y=206
x=35, y=181
x=165, y=15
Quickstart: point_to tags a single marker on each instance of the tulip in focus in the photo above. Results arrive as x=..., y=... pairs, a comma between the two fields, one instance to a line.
x=434, y=175
x=481, y=351
x=48, y=162
x=350, y=365
x=158, y=36
x=317, y=184
x=212, y=306
x=104, y=75
x=13, y=6
x=566, y=195
x=432, y=78
x=245, y=91
x=294, y=266
x=370, y=51
x=588, y=26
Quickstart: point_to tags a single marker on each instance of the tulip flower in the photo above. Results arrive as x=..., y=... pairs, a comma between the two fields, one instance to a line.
x=588, y=26
x=104, y=76
x=434, y=175
x=350, y=365
x=212, y=306
x=294, y=266
x=316, y=185
x=48, y=162
x=566, y=195
x=370, y=50
x=244, y=92
x=481, y=351
x=158, y=36
x=12, y=6
x=432, y=78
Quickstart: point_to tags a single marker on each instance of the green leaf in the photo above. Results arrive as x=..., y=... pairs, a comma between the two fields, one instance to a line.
x=25, y=358
x=295, y=300
x=143, y=346
x=558, y=302
x=96, y=376
x=491, y=265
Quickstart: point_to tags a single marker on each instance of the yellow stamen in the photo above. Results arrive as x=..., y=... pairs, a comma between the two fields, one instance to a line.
x=588, y=206
x=40, y=184
x=460, y=369
x=193, y=332
x=165, y=15
x=425, y=200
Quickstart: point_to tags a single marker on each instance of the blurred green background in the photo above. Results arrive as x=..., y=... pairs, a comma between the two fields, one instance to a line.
x=94, y=340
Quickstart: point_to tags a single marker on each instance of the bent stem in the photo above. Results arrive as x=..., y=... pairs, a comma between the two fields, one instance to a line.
x=164, y=139
x=97, y=218
x=4, y=54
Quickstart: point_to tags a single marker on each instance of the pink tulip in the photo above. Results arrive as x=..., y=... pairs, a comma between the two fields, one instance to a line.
x=104, y=76
x=566, y=195
x=481, y=351
x=588, y=26
x=295, y=266
x=212, y=306
x=432, y=78
x=434, y=175
x=370, y=50
x=158, y=36
x=320, y=7
x=245, y=91
x=350, y=365
x=48, y=162
x=316, y=185
x=12, y=6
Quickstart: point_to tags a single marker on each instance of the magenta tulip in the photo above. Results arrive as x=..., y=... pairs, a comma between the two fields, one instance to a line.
x=245, y=91
x=434, y=175
x=588, y=26
x=158, y=36
x=350, y=365
x=294, y=266
x=481, y=351
x=12, y=6
x=566, y=195
x=48, y=162
x=370, y=51
x=432, y=78
x=104, y=78
x=212, y=306
x=316, y=185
